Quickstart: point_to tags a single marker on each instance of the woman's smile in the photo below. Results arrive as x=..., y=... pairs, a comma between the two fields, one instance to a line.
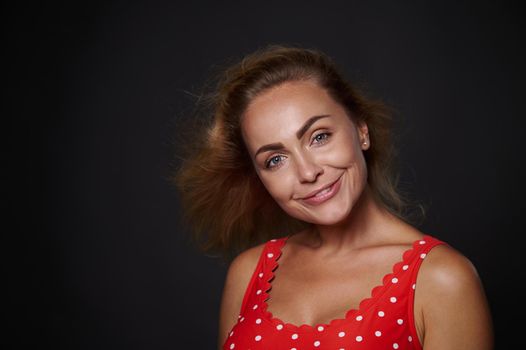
x=324, y=194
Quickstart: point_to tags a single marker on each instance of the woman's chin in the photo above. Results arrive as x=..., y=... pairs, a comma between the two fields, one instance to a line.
x=329, y=217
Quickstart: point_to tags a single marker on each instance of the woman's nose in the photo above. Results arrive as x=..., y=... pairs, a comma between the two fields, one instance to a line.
x=308, y=169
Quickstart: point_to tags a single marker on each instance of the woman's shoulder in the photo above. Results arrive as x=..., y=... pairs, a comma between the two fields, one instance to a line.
x=447, y=269
x=444, y=268
x=237, y=279
x=245, y=262
x=450, y=297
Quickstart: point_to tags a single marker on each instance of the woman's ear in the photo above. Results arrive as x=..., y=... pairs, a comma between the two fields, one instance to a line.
x=363, y=132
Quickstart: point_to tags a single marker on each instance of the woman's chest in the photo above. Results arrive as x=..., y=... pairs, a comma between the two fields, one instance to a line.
x=310, y=293
x=377, y=324
x=330, y=306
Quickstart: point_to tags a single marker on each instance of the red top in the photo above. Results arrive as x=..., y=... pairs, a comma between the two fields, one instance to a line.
x=383, y=321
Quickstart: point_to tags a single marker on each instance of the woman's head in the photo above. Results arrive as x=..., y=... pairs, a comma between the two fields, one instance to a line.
x=307, y=151
x=223, y=189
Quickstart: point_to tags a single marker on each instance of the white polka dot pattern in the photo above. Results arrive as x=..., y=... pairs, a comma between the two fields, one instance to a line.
x=381, y=321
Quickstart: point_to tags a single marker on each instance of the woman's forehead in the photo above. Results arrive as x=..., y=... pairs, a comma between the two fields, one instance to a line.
x=289, y=103
x=278, y=114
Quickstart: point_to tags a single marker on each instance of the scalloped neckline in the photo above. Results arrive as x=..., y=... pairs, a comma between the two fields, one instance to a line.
x=374, y=294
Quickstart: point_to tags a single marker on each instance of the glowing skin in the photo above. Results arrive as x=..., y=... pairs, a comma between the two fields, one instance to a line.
x=297, y=167
x=344, y=253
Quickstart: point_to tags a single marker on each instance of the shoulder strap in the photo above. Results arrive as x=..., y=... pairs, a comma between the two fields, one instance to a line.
x=257, y=270
x=424, y=247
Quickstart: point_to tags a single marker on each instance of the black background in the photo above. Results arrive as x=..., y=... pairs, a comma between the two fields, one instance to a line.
x=94, y=254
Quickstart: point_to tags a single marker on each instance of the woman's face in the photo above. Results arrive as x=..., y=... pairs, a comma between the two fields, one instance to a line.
x=306, y=151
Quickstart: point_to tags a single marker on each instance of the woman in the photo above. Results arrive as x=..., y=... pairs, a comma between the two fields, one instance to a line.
x=299, y=160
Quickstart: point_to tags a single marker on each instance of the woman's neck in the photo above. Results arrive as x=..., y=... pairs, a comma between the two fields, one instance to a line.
x=366, y=223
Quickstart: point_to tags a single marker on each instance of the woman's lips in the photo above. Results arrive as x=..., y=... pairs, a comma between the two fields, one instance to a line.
x=324, y=195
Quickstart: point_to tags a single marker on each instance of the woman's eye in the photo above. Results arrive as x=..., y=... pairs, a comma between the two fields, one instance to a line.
x=321, y=138
x=273, y=162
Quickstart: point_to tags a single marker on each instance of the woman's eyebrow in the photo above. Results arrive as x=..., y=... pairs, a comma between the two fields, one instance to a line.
x=270, y=147
x=299, y=134
x=308, y=124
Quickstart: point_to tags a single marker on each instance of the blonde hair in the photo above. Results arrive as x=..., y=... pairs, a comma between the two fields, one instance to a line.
x=221, y=193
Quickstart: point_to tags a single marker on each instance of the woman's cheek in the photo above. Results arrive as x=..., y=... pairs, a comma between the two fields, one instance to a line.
x=277, y=186
x=339, y=157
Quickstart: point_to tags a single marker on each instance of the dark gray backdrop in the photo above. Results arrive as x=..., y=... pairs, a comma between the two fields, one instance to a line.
x=94, y=255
